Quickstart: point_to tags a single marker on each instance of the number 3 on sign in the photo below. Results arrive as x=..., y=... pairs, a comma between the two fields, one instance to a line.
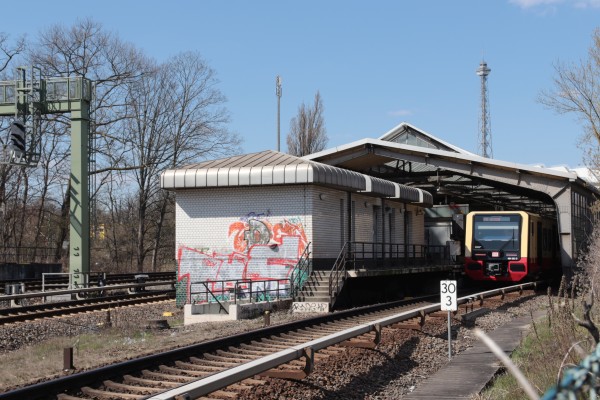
x=448, y=296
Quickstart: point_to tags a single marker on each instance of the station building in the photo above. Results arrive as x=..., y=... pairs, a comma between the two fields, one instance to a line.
x=255, y=216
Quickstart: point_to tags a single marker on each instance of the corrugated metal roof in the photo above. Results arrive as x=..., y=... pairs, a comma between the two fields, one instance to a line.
x=406, y=193
x=412, y=195
x=275, y=168
x=379, y=186
x=258, y=169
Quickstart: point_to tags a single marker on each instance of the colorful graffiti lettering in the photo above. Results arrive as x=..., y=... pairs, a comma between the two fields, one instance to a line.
x=260, y=250
x=244, y=234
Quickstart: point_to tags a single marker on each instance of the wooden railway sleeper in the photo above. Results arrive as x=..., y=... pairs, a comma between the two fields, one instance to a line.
x=216, y=363
x=101, y=394
x=282, y=343
x=365, y=344
x=319, y=329
x=197, y=366
x=205, y=363
x=150, y=382
x=218, y=358
x=167, y=377
x=256, y=349
x=299, y=336
x=182, y=371
x=415, y=323
x=130, y=388
x=270, y=344
x=308, y=354
x=237, y=355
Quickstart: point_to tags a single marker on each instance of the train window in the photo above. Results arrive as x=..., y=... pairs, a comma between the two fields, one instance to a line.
x=496, y=232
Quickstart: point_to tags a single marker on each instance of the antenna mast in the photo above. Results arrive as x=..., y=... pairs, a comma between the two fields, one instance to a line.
x=278, y=94
x=485, y=131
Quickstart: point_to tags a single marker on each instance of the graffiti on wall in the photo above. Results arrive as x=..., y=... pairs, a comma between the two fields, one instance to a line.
x=259, y=249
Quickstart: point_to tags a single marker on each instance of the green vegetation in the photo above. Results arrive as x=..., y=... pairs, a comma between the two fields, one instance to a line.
x=555, y=343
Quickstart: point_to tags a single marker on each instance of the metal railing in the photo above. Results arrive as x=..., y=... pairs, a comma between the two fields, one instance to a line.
x=338, y=272
x=234, y=290
x=301, y=272
x=368, y=255
x=54, y=89
x=52, y=284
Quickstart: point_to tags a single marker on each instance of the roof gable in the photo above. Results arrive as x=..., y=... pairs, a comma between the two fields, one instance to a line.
x=406, y=133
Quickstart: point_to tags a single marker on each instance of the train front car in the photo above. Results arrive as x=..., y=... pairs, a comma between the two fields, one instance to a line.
x=496, y=245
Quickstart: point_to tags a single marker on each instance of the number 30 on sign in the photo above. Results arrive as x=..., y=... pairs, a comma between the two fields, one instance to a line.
x=448, y=295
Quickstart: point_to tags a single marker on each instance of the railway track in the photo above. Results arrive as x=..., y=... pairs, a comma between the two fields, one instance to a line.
x=63, y=308
x=62, y=282
x=284, y=351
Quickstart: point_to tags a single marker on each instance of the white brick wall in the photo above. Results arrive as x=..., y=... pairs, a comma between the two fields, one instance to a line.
x=363, y=215
x=329, y=222
x=222, y=233
x=417, y=227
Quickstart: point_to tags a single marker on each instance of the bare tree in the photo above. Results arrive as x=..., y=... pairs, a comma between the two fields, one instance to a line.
x=307, y=130
x=577, y=91
x=9, y=51
x=145, y=117
x=86, y=49
x=176, y=116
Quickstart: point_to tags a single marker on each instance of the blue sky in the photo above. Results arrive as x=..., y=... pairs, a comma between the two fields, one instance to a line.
x=375, y=63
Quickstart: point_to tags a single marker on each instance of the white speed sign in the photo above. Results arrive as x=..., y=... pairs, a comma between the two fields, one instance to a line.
x=448, y=296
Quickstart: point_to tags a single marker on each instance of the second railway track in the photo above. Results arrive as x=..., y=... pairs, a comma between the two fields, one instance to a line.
x=63, y=308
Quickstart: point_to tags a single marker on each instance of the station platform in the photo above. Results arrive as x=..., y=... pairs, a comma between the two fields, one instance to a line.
x=470, y=371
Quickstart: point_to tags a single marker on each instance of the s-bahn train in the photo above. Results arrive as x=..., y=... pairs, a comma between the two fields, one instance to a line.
x=510, y=246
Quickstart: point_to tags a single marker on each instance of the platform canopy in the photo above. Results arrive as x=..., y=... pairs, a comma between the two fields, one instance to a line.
x=412, y=157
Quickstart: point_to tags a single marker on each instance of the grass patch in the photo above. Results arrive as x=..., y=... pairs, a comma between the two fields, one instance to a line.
x=89, y=350
x=542, y=355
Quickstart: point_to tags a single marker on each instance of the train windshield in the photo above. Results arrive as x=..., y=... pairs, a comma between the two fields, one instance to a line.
x=496, y=232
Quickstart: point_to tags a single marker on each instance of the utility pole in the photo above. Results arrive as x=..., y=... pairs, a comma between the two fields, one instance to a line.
x=278, y=93
x=485, y=131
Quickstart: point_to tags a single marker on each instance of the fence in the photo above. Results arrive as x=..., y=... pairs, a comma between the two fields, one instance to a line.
x=393, y=255
x=235, y=290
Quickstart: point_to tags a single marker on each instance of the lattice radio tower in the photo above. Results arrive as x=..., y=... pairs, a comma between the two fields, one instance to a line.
x=485, y=131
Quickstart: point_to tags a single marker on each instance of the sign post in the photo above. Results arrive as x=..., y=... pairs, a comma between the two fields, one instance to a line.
x=448, y=303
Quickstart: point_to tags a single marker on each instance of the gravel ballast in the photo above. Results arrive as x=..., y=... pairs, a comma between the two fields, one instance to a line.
x=401, y=362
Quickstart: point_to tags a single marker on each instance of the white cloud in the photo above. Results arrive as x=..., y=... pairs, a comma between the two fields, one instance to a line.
x=534, y=3
x=527, y=4
x=400, y=113
x=587, y=3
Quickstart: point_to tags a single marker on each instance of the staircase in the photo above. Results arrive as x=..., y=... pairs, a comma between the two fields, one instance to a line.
x=319, y=292
x=316, y=288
